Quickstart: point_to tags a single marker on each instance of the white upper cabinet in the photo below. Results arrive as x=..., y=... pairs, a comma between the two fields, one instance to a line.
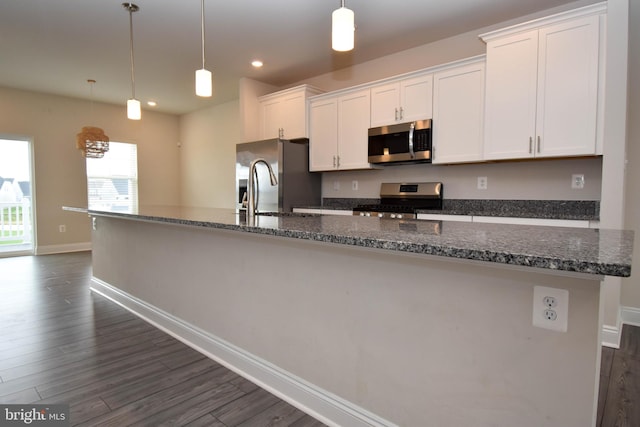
x=323, y=138
x=458, y=114
x=542, y=89
x=338, y=127
x=402, y=101
x=283, y=114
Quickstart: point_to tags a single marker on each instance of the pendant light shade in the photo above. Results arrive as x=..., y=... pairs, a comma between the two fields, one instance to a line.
x=204, y=85
x=133, y=105
x=342, y=29
x=204, y=78
x=133, y=109
x=92, y=141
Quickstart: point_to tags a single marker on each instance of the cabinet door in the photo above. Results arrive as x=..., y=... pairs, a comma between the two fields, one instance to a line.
x=458, y=119
x=292, y=116
x=323, y=138
x=385, y=104
x=270, y=118
x=511, y=96
x=567, y=88
x=416, y=98
x=353, y=123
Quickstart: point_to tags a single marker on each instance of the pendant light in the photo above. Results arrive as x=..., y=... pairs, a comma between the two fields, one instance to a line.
x=92, y=141
x=204, y=85
x=133, y=105
x=342, y=29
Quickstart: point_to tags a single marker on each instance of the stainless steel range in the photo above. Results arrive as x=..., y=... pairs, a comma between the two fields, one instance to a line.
x=402, y=200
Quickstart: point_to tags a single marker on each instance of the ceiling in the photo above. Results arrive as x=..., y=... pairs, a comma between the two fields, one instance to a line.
x=54, y=46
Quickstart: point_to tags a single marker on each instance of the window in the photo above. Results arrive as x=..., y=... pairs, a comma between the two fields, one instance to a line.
x=112, y=181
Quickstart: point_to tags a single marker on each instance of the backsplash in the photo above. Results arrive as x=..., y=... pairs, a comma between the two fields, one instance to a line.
x=518, y=180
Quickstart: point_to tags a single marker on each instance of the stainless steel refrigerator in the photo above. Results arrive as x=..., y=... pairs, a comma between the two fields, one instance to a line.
x=290, y=162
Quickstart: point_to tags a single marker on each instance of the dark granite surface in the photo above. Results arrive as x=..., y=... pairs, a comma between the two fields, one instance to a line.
x=592, y=251
x=547, y=209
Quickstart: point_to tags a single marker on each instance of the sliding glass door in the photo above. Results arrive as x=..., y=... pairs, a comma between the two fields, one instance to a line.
x=16, y=197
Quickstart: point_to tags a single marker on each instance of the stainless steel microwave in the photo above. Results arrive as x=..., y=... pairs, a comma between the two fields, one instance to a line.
x=401, y=143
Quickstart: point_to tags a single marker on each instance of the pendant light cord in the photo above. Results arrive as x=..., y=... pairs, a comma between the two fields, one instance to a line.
x=202, y=27
x=133, y=78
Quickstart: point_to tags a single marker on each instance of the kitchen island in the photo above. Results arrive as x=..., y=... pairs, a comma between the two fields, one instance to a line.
x=362, y=321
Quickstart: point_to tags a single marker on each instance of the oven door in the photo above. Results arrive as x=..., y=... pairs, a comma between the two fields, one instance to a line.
x=404, y=143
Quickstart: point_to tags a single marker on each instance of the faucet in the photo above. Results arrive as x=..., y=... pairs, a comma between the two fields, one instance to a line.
x=252, y=184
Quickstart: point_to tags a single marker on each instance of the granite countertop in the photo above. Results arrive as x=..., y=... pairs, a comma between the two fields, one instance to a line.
x=583, y=250
x=544, y=209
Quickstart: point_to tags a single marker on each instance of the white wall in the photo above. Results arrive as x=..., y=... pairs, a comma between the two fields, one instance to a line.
x=631, y=286
x=52, y=122
x=208, y=141
x=531, y=180
x=416, y=340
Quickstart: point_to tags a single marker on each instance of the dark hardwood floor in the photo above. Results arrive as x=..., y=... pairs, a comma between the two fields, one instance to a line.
x=619, y=397
x=59, y=343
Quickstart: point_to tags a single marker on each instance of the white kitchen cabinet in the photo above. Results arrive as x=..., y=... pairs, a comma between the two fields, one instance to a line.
x=338, y=126
x=458, y=114
x=404, y=100
x=323, y=134
x=284, y=114
x=542, y=89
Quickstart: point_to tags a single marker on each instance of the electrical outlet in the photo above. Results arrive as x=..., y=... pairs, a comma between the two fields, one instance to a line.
x=62, y=228
x=482, y=183
x=354, y=185
x=577, y=181
x=550, y=308
x=549, y=301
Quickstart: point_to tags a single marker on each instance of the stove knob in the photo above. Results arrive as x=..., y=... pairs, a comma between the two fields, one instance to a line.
x=361, y=213
x=392, y=215
x=367, y=214
x=399, y=216
x=380, y=214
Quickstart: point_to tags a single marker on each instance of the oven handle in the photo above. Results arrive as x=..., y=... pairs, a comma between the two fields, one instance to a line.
x=411, y=128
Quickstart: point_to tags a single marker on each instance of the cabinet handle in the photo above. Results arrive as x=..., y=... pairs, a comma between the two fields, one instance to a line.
x=396, y=115
x=530, y=145
x=538, y=143
x=280, y=133
x=401, y=113
x=334, y=161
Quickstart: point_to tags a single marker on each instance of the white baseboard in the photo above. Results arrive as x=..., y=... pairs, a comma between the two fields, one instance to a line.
x=59, y=249
x=630, y=315
x=321, y=404
x=611, y=336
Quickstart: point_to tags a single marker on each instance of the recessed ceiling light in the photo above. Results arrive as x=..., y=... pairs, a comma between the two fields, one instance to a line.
x=152, y=103
x=256, y=63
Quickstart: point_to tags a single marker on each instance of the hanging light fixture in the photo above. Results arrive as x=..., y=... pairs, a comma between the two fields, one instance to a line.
x=204, y=79
x=342, y=29
x=133, y=105
x=91, y=140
